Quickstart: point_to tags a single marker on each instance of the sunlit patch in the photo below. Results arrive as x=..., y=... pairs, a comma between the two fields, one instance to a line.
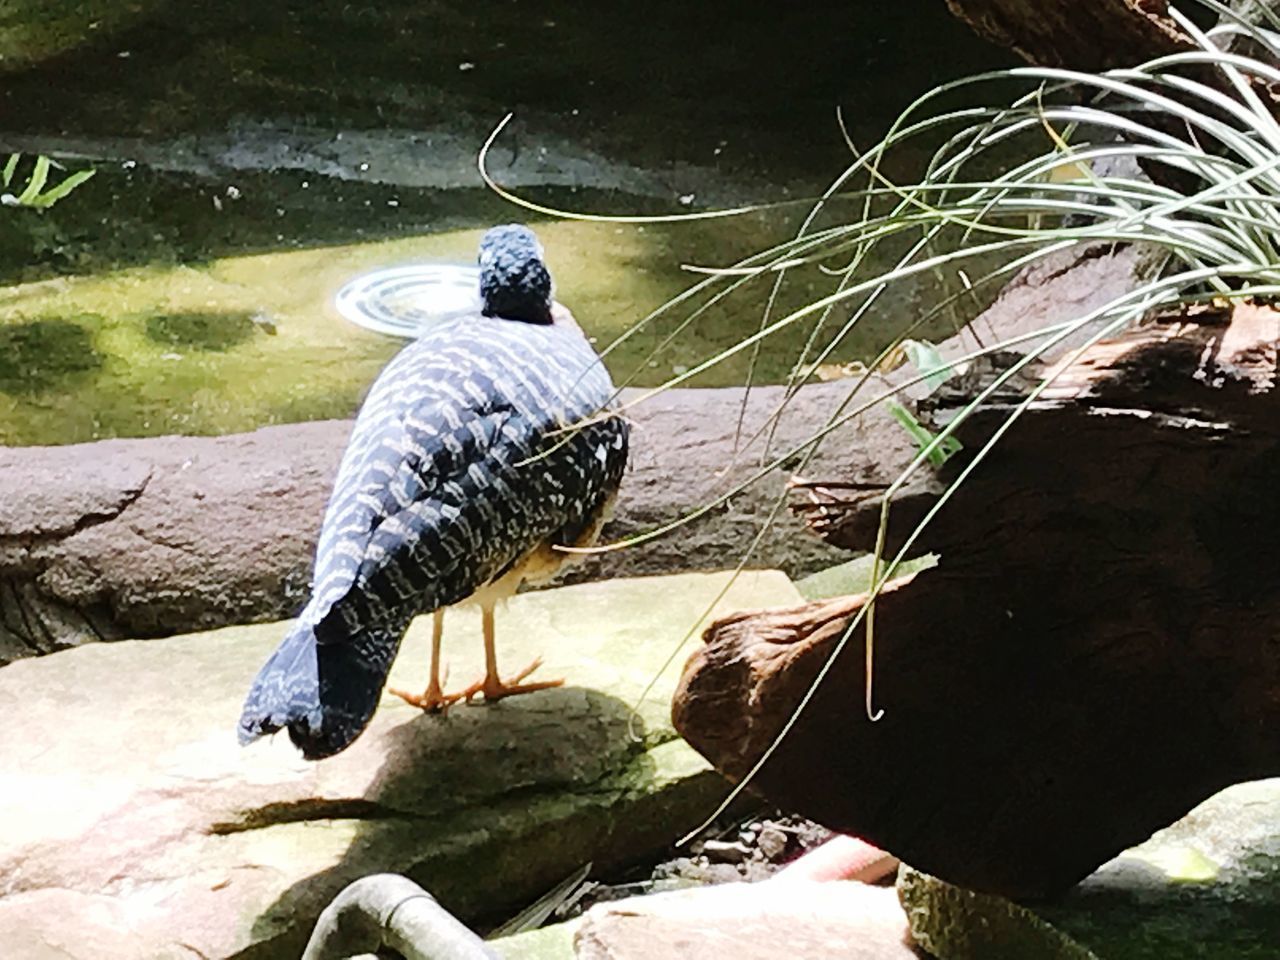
x=403, y=301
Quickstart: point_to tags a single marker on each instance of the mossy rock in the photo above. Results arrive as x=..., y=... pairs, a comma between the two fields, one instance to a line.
x=131, y=824
x=1205, y=887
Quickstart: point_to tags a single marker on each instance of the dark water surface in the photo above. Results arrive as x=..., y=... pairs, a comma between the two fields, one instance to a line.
x=254, y=157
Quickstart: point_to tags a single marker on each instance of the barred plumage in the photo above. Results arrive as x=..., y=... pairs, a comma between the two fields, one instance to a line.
x=458, y=472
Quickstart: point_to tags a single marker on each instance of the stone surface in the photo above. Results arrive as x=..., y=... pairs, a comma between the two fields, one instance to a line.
x=795, y=918
x=1205, y=887
x=175, y=534
x=549, y=943
x=159, y=536
x=1093, y=654
x=131, y=824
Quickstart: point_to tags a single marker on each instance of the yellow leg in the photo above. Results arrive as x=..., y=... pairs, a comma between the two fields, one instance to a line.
x=434, y=699
x=493, y=687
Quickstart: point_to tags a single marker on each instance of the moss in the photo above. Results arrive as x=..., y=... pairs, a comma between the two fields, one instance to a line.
x=231, y=343
x=35, y=30
x=550, y=943
x=47, y=354
x=1204, y=888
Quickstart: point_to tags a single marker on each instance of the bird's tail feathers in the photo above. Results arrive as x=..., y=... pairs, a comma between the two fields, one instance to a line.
x=323, y=693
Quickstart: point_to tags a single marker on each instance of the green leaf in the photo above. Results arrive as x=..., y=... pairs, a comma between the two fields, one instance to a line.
x=924, y=356
x=38, y=178
x=10, y=167
x=924, y=438
x=56, y=193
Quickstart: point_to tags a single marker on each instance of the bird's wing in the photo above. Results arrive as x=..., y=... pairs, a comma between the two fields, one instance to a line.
x=463, y=475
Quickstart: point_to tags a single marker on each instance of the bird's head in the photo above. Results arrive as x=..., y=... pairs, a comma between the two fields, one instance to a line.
x=514, y=282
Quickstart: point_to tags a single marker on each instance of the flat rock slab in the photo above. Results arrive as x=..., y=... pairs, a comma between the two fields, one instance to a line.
x=170, y=535
x=132, y=825
x=776, y=918
x=1207, y=886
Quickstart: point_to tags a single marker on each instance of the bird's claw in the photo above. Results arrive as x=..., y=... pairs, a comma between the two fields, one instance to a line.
x=495, y=688
x=433, y=699
x=491, y=689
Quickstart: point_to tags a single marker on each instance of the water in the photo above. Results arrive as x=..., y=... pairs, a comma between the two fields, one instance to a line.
x=255, y=158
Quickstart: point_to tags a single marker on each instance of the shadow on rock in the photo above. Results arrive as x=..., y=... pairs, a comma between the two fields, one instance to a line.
x=41, y=354
x=486, y=808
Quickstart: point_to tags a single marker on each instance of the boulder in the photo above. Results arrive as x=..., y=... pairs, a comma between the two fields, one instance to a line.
x=175, y=534
x=1207, y=886
x=776, y=918
x=132, y=825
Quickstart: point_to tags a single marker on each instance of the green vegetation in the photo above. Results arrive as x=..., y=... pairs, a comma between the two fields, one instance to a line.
x=34, y=192
x=183, y=318
x=1210, y=211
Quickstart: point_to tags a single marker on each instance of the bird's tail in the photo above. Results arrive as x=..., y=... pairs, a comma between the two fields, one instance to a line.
x=322, y=693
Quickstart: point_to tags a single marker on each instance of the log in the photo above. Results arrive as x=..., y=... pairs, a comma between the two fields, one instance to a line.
x=1094, y=653
x=1097, y=35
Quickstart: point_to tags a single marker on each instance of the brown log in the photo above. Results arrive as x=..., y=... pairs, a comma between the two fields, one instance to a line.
x=1094, y=653
x=1096, y=35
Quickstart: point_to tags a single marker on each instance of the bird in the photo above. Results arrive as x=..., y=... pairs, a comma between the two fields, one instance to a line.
x=485, y=447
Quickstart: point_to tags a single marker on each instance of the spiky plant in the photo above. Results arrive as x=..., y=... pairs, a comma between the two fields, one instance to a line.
x=35, y=191
x=1202, y=123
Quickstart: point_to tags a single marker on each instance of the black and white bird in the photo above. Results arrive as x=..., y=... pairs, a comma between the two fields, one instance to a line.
x=484, y=446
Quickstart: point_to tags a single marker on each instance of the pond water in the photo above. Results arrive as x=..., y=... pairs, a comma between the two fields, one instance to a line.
x=254, y=158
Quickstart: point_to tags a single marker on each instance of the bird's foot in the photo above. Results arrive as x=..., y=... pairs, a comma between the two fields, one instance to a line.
x=495, y=688
x=433, y=699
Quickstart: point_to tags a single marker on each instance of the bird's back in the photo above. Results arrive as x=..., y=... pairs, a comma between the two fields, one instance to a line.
x=462, y=461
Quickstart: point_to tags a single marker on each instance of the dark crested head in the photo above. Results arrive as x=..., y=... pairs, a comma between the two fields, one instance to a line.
x=514, y=282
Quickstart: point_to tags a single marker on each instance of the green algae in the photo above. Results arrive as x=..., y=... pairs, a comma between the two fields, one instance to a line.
x=235, y=342
x=1204, y=887
x=189, y=257
x=35, y=30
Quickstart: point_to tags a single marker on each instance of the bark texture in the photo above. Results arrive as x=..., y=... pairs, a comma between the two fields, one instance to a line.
x=1096, y=35
x=1094, y=653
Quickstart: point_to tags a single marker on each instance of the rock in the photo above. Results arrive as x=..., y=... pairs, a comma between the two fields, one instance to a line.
x=132, y=825
x=799, y=918
x=1057, y=289
x=1206, y=886
x=1092, y=654
x=175, y=534
x=161, y=536
x=725, y=851
x=843, y=858
x=773, y=842
x=549, y=943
